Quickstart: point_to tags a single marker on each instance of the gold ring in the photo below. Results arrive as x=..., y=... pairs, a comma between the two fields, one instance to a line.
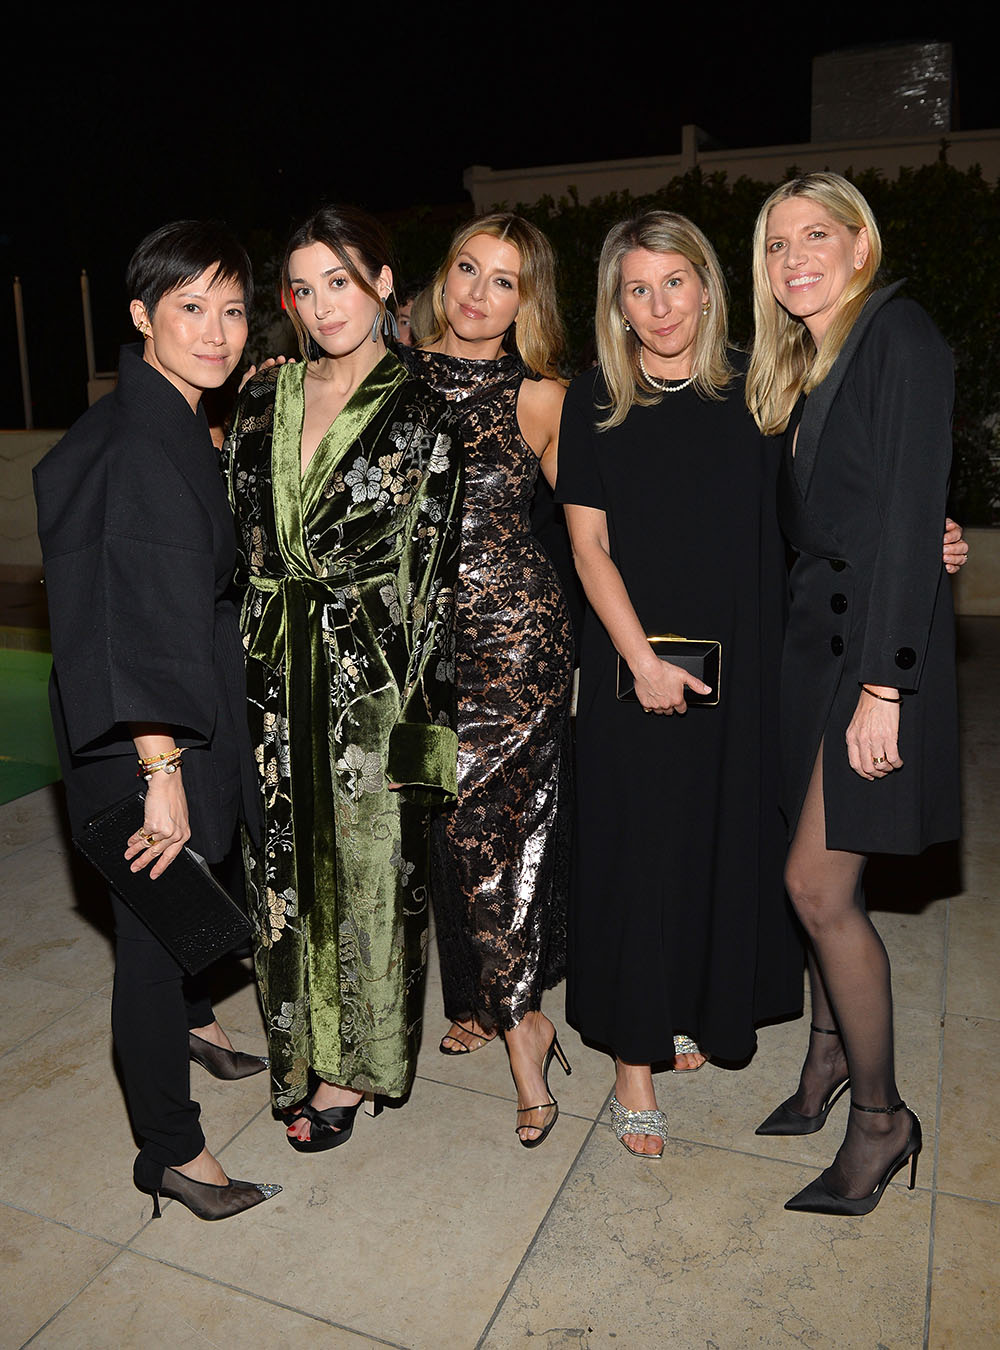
x=879, y=759
x=149, y=838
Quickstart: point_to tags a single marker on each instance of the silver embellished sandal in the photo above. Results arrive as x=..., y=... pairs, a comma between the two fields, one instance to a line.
x=684, y=1045
x=625, y=1122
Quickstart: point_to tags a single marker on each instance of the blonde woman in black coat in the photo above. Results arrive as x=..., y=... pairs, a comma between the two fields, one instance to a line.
x=860, y=382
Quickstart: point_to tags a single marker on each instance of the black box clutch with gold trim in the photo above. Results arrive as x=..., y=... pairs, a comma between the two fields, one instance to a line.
x=700, y=657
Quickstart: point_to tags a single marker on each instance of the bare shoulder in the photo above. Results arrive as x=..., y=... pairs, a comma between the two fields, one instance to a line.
x=539, y=408
x=542, y=398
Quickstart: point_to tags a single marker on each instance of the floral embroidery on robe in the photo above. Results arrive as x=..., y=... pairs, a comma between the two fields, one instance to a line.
x=348, y=629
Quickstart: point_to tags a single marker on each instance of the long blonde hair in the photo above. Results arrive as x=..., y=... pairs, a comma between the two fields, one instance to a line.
x=618, y=349
x=537, y=333
x=785, y=362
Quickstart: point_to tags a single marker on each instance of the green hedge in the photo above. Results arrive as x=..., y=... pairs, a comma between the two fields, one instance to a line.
x=941, y=230
x=940, y=227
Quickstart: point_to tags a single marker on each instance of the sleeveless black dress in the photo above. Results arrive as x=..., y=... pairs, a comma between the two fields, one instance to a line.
x=678, y=919
x=500, y=857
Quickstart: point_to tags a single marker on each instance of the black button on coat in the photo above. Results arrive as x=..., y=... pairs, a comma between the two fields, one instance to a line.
x=867, y=487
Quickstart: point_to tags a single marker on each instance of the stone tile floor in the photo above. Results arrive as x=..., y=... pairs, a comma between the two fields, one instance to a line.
x=433, y=1228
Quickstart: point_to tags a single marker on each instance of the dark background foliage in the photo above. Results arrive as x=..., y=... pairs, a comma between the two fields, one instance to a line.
x=940, y=229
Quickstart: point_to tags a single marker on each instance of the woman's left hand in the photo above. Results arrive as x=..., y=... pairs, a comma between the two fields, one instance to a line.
x=956, y=550
x=165, y=828
x=280, y=361
x=873, y=735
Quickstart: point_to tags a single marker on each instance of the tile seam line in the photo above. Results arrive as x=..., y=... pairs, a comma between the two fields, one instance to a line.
x=61, y=1223
x=509, y=1101
x=83, y=1288
x=540, y=1226
x=49, y=1025
x=23, y=848
x=766, y=1157
x=939, y=1097
x=257, y=1298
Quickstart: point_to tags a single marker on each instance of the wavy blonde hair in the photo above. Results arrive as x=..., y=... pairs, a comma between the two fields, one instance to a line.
x=618, y=348
x=785, y=361
x=537, y=333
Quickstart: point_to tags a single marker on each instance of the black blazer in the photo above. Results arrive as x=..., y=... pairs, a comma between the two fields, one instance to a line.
x=863, y=503
x=139, y=547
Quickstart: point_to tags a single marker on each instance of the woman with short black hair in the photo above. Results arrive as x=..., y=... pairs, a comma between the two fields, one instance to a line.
x=139, y=550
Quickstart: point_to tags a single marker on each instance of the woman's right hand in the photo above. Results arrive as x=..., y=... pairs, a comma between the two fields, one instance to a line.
x=166, y=819
x=660, y=686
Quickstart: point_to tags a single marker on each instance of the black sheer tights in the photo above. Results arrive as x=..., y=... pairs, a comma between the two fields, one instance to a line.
x=851, y=992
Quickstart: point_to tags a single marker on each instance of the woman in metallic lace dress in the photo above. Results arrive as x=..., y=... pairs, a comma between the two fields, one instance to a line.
x=498, y=871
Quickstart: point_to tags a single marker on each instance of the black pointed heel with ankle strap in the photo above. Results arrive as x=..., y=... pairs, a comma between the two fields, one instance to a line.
x=818, y=1198
x=784, y=1119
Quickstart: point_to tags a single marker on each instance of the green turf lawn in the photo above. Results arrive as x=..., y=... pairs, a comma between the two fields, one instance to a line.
x=27, y=749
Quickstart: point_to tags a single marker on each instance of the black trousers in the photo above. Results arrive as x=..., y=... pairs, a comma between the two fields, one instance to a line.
x=153, y=1007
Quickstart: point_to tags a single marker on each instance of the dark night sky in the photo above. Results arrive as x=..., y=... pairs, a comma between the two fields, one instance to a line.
x=111, y=131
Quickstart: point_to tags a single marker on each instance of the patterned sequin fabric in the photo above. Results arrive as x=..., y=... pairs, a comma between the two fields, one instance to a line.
x=499, y=860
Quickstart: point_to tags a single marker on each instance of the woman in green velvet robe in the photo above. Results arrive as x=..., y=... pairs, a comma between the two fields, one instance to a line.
x=344, y=476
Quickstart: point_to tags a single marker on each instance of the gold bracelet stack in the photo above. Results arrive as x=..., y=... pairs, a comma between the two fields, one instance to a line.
x=167, y=762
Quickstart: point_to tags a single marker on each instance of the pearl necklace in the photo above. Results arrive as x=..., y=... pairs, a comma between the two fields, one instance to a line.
x=664, y=386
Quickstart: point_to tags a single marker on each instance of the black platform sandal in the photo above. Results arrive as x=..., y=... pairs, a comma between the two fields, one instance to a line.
x=332, y=1127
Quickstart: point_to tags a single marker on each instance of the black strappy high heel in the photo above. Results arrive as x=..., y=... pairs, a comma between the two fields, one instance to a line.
x=818, y=1198
x=554, y=1049
x=202, y=1198
x=784, y=1119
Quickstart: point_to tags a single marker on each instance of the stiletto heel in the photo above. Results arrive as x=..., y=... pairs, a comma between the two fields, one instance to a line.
x=554, y=1049
x=203, y=1199
x=818, y=1198
x=784, y=1119
x=557, y=1050
x=223, y=1063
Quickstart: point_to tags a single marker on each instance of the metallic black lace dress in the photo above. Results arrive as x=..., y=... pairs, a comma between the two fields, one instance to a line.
x=499, y=864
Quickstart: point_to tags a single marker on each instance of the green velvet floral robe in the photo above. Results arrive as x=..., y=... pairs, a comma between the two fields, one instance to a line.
x=348, y=629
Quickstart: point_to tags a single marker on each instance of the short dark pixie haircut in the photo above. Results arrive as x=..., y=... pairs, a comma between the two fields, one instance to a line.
x=177, y=253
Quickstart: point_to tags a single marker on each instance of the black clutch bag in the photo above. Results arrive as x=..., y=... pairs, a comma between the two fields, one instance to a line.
x=700, y=657
x=185, y=907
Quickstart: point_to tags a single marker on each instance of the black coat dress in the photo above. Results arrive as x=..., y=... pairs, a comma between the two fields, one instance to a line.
x=678, y=915
x=138, y=543
x=863, y=503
